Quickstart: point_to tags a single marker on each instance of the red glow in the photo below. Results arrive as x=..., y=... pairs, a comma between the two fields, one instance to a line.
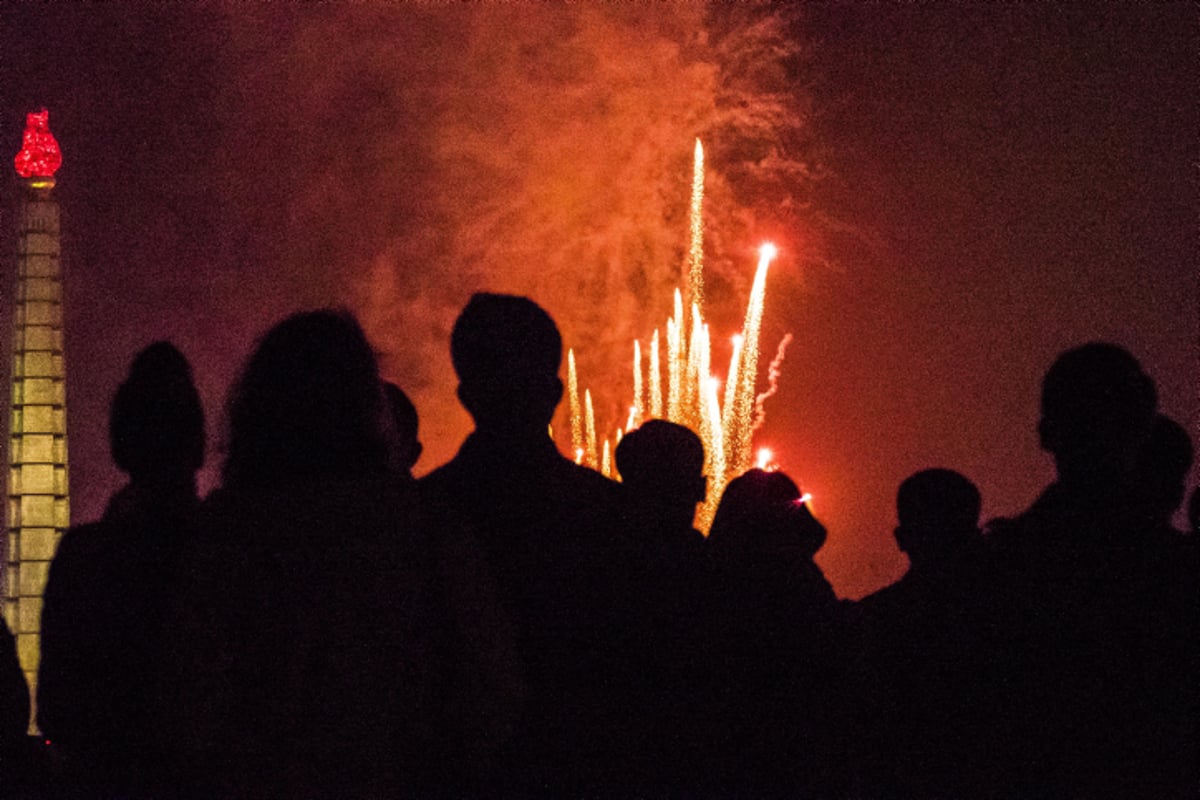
x=39, y=156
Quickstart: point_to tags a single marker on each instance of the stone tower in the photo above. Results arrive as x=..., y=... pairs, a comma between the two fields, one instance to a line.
x=37, y=480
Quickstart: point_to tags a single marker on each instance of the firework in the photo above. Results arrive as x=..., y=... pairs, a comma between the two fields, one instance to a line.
x=693, y=393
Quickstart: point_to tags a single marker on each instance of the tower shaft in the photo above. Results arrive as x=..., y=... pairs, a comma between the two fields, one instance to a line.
x=38, y=510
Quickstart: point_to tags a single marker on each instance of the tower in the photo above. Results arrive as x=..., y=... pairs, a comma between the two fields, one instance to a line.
x=37, y=479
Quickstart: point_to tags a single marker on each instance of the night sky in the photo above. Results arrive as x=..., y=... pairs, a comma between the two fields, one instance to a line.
x=982, y=188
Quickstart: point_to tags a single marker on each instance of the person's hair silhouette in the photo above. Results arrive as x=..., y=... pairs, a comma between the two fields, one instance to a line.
x=307, y=404
x=938, y=512
x=763, y=511
x=324, y=602
x=506, y=352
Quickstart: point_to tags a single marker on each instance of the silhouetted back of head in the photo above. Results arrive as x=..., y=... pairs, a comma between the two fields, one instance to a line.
x=662, y=458
x=405, y=446
x=763, y=511
x=1164, y=467
x=1097, y=408
x=308, y=403
x=938, y=510
x=506, y=352
x=156, y=423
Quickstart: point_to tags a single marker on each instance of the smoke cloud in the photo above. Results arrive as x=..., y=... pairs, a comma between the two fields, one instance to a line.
x=416, y=154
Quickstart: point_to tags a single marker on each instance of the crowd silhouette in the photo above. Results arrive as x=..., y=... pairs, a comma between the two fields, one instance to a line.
x=325, y=625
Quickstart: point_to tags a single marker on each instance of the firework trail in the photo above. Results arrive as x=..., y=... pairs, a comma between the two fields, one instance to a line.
x=696, y=249
x=773, y=372
x=576, y=411
x=738, y=438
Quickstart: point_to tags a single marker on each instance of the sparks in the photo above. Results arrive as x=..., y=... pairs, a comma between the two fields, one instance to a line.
x=696, y=250
x=591, y=457
x=637, y=412
x=692, y=395
x=576, y=410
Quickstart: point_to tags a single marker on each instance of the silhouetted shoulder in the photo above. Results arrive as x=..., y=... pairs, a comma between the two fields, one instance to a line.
x=14, y=695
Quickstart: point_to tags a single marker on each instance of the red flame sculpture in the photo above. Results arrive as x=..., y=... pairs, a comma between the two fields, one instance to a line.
x=39, y=156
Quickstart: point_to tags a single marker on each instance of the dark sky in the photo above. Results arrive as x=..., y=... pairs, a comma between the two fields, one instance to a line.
x=997, y=183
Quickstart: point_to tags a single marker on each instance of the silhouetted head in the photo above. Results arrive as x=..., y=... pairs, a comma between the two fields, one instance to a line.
x=938, y=510
x=1097, y=410
x=156, y=424
x=1164, y=468
x=308, y=403
x=506, y=352
x=663, y=463
x=764, y=512
x=404, y=445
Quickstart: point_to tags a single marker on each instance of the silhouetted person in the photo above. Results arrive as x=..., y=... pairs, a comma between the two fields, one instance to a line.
x=763, y=517
x=547, y=528
x=922, y=687
x=401, y=430
x=105, y=613
x=14, y=714
x=330, y=645
x=1163, y=471
x=777, y=639
x=661, y=465
x=1101, y=606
